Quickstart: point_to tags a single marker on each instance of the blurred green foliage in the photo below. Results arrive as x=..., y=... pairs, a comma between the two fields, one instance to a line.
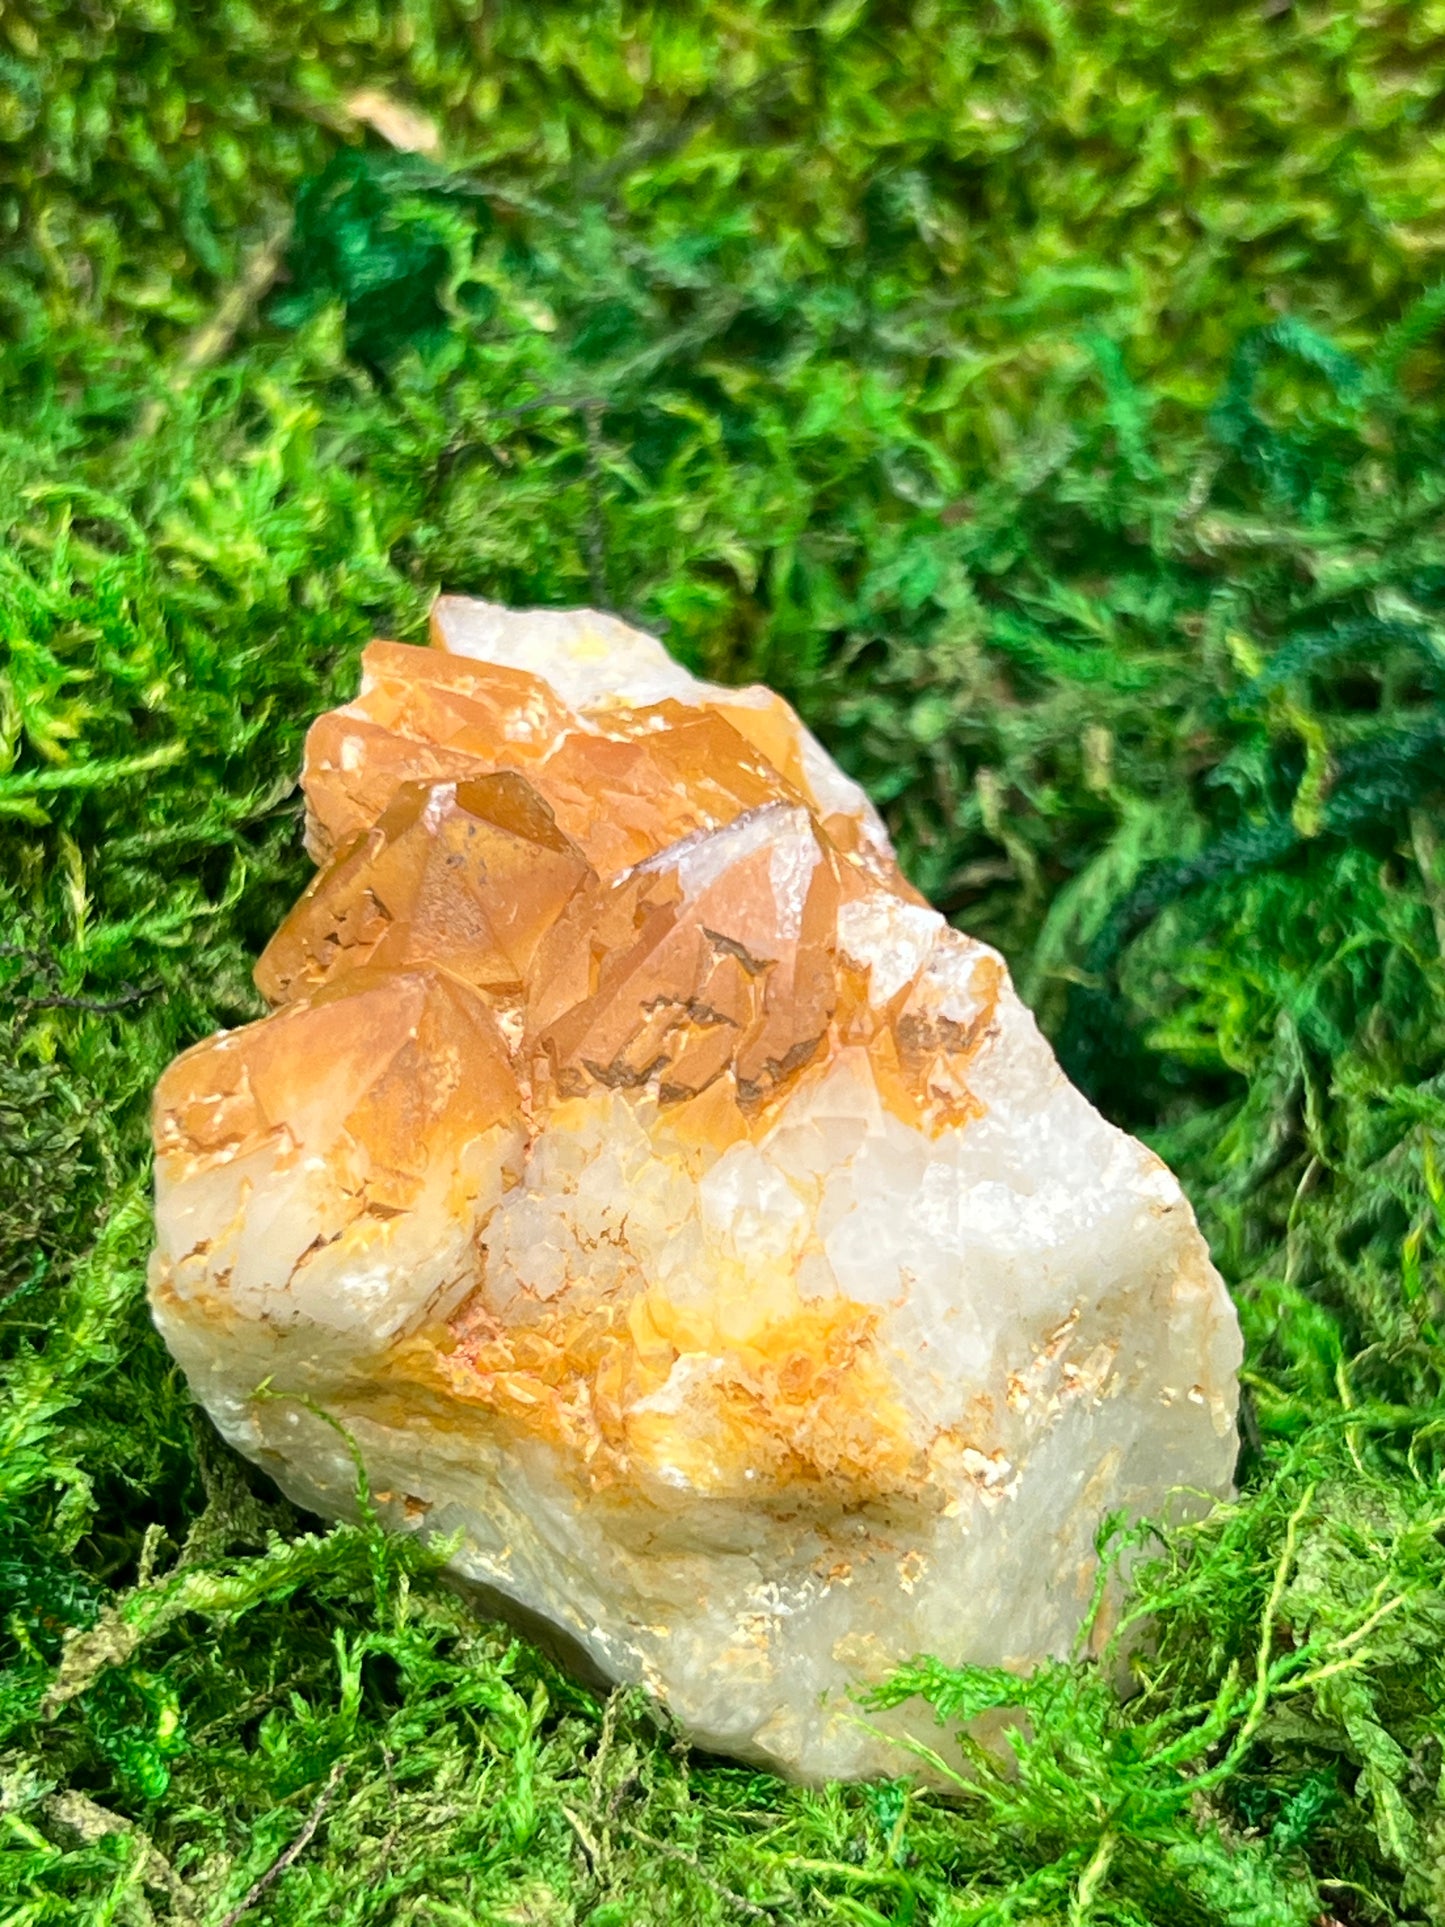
x=1047, y=400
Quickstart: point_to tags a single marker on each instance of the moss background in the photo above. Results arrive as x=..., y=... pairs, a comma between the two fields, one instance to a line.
x=1046, y=397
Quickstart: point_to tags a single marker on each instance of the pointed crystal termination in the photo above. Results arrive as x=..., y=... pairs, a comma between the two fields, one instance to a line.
x=674, y=1212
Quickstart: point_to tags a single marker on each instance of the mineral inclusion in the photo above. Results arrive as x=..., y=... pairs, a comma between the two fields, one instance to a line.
x=670, y=1208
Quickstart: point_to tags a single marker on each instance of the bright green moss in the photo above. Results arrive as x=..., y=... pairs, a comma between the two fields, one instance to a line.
x=1046, y=399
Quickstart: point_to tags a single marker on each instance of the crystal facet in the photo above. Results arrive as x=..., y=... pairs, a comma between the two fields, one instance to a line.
x=670, y=1207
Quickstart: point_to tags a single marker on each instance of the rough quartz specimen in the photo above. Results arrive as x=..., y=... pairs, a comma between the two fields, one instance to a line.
x=671, y=1205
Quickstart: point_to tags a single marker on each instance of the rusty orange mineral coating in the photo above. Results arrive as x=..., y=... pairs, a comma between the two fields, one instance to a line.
x=415, y=1062
x=469, y=874
x=794, y=1403
x=516, y=907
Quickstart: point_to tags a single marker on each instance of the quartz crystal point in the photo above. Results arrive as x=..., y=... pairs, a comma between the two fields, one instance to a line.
x=670, y=1208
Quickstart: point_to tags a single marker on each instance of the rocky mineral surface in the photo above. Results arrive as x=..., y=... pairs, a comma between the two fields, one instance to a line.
x=670, y=1206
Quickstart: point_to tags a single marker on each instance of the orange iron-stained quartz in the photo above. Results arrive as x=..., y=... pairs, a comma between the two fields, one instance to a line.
x=469, y=874
x=682, y=1224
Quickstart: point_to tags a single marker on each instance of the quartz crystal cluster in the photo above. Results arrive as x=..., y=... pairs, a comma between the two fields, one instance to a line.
x=673, y=1212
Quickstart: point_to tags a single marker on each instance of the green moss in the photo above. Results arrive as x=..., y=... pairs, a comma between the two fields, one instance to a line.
x=1047, y=401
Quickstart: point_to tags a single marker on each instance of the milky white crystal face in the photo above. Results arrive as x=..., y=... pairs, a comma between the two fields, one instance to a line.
x=671, y=1208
